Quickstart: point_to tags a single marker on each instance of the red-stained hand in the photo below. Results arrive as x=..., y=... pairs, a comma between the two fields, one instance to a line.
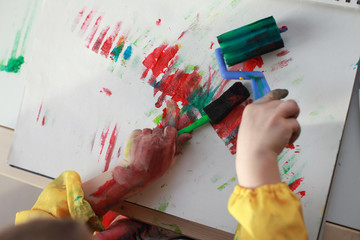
x=149, y=153
x=153, y=151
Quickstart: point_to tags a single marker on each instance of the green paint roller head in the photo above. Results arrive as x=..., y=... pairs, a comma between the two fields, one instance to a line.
x=249, y=41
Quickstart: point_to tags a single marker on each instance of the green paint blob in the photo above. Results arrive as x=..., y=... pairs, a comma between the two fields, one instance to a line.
x=157, y=119
x=173, y=227
x=13, y=65
x=223, y=186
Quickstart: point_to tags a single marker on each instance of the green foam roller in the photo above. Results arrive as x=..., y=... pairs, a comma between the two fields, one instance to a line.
x=249, y=41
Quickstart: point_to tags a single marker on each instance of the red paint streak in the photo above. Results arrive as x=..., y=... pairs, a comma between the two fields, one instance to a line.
x=228, y=128
x=93, y=31
x=250, y=64
x=86, y=23
x=39, y=113
x=220, y=91
x=297, y=151
x=281, y=64
x=282, y=53
x=119, y=152
x=179, y=86
x=43, y=121
x=181, y=35
x=158, y=22
x=106, y=91
x=100, y=39
x=78, y=17
x=301, y=194
x=294, y=185
x=197, y=17
x=160, y=60
x=103, y=139
x=211, y=45
x=106, y=47
x=104, y=187
x=110, y=149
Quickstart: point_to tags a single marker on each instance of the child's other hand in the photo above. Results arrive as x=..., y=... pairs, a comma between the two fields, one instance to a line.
x=267, y=126
x=153, y=151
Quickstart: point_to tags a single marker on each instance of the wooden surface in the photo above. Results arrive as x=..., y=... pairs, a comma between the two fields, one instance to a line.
x=191, y=229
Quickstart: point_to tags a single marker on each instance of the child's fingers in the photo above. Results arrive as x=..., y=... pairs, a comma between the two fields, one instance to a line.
x=289, y=109
x=276, y=94
x=181, y=140
x=147, y=131
x=295, y=126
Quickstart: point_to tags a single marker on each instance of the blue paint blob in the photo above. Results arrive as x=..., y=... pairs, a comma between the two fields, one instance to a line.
x=128, y=52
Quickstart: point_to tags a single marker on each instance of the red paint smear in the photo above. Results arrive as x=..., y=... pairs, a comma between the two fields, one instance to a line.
x=103, y=139
x=211, y=45
x=290, y=146
x=106, y=91
x=282, y=64
x=171, y=116
x=106, y=47
x=43, y=121
x=119, y=152
x=160, y=60
x=250, y=64
x=93, y=31
x=39, y=113
x=179, y=86
x=158, y=22
x=301, y=194
x=99, y=40
x=282, y=53
x=229, y=126
x=181, y=35
x=78, y=17
x=220, y=91
x=86, y=23
x=110, y=149
x=104, y=187
x=294, y=185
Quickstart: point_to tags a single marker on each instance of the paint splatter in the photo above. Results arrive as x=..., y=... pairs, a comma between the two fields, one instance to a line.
x=106, y=91
x=282, y=53
x=281, y=64
x=211, y=45
x=86, y=23
x=93, y=31
x=107, y=45
x=100, y=39
x=158, y=22
x=223, y=186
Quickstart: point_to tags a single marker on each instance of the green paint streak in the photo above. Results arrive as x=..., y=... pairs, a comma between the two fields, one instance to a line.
x=157, y=119
x=282, y=155
x=314, y=113
x=298, y=80
x=289, y=164
x=222, y=187
x=13, y=65
x=173, y=227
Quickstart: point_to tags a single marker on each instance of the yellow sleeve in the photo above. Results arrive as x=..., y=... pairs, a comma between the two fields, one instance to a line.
x=267, y=212
x=62, y=198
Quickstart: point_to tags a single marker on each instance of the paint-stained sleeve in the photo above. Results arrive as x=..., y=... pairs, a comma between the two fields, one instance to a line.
x=62, y=198
x=267, y=212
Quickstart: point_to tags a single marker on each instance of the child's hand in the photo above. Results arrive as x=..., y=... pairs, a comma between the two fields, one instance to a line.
x=267, y=126
x=152, y=151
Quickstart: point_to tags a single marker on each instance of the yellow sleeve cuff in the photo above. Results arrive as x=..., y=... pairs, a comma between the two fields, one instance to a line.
x=62, y=198
x=267, y=212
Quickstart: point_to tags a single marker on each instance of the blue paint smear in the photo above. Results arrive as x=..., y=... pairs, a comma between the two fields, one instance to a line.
x=128, y=52
x=77, y=198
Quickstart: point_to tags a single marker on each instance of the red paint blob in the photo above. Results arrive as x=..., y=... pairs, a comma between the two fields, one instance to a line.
x=93, y=31
x=106, y=91
x=100, y=39
x=251, y=64
x=294, y=185
x=211, y=45
x=282, y=53
x=158, y=22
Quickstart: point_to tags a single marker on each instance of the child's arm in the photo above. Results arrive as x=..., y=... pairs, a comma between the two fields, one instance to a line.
x=149, y=154
x=267, y=126
x=264, y=207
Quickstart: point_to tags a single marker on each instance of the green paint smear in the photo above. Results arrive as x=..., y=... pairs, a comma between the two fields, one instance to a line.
x=157, y=119
x=163, y=206
x=289, y=164
x=13, y=65
x=222, y=187
x=173, y=227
